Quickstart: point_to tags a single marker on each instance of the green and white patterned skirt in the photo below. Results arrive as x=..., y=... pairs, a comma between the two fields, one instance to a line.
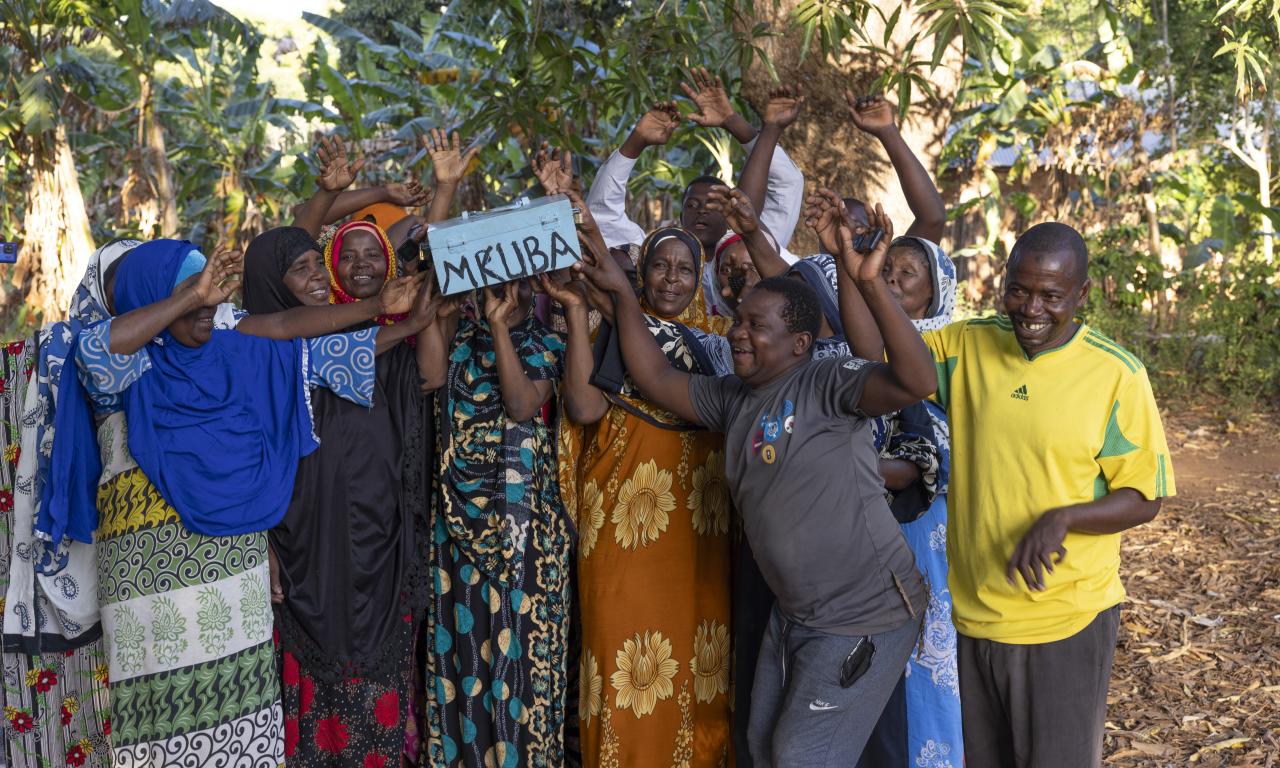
x=187, y=621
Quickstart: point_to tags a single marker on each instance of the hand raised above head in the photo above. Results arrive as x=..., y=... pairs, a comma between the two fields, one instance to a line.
x=871, y=114
x=554, y=169
x=449, y=163
x=865, y=266
x=336, y=170
x=656, y=126
x=824, y=213
x=783, y=107
x=409, y=194
x=709, y=96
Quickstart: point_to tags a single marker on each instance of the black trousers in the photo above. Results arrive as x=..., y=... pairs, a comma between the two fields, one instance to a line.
x=1037, y=706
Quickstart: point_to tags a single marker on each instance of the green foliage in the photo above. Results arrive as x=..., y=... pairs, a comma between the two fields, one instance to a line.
x=1221, y=346
x=510, y=75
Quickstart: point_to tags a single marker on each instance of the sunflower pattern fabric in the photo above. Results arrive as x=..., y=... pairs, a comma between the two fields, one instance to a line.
x=498, y=627
x=652, y=508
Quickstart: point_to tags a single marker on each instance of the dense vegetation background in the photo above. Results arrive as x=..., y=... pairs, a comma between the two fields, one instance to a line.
x=1148, y=124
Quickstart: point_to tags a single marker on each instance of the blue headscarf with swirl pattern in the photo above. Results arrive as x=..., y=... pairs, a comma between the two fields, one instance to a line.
x=218, y=428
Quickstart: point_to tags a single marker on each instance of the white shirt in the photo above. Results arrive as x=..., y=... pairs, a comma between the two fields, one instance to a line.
x=784, y=197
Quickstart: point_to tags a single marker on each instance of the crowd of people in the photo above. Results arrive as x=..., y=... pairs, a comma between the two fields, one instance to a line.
x=695, y=501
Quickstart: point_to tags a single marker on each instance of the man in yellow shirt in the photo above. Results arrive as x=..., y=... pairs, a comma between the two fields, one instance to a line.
x=1057, y=447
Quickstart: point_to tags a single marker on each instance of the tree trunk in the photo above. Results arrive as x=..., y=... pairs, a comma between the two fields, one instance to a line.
x=1264, y=180
x=824, y=143
x=56, y=240
x=158, y=162
x=149, y=192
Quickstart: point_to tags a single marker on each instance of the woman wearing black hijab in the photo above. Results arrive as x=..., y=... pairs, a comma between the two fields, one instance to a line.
x=350, y=546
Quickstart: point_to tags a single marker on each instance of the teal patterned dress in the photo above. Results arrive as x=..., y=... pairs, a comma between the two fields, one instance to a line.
x=187, y=617
x=497, y=635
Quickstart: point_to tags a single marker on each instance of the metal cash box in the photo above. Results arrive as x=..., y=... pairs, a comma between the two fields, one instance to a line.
x=525, y=238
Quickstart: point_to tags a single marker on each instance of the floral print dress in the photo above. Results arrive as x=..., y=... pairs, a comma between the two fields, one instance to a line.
x=502, y=548
x=55, y=701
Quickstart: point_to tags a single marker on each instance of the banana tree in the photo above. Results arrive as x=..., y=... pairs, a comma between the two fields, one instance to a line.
x=54, y=232
x=144, y=34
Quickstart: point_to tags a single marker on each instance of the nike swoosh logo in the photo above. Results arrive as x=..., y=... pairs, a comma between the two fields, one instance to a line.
x=823, y=708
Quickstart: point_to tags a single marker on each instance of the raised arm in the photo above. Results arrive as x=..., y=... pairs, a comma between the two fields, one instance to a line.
x=825, y=215
x=607, y=197
x=740, y=215
x=875, y=116
x=714, y=110
x=449, y=165
x=584, y=403
x=781, y=110
x=409, y=194
x=220, y=277
x=910, y=375
x=645, y=363
x=337, y=172
x=521, y=396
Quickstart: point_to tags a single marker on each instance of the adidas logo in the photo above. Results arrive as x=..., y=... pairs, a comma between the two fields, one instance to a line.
x=1021, y=393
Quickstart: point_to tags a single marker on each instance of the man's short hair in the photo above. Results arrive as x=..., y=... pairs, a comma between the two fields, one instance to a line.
x=800, y=310
x=713, y=180
x=1053, y=238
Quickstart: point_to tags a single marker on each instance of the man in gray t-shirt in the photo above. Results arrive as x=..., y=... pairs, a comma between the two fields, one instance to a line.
x=802, y=470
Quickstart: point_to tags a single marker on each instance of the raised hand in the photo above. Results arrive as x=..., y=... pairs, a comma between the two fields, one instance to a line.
x=501, y=305
x=603, y=272
x=220, y=278
x=337, y=171
x=396, y=297
x=865, y=267
x=824, y=213
x=564, y=293
x=736, y=208
x=709, y=96
x=657, y=125
x=871, y=114
x=554, y=169
x=410, y=194
x=449, y=163
x=783, y=106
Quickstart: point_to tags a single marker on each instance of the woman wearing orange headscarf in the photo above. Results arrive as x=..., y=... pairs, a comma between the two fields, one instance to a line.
x=652, y=508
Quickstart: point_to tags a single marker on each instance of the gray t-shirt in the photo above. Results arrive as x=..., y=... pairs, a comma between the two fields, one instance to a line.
x=804, y=473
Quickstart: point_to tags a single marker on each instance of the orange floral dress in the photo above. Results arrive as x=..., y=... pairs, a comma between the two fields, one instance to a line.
x=652, y=509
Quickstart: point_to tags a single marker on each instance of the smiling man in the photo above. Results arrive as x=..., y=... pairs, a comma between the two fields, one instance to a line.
x=803, y=471
x=1056, y=447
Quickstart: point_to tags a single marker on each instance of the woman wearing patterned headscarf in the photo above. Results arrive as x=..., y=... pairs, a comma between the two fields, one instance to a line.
x=351, y=546
x=653, y=512
x=923, y=279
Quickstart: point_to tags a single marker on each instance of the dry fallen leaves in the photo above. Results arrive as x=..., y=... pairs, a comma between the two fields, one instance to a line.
x=1197, y=671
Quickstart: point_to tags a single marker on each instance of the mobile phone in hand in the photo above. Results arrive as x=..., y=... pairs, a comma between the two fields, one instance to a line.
x=8, y=252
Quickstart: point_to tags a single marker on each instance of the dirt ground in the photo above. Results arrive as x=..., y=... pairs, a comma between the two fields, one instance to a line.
x=1197, y=671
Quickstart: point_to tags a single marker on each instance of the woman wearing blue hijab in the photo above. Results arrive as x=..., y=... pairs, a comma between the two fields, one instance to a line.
x=217, y=421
